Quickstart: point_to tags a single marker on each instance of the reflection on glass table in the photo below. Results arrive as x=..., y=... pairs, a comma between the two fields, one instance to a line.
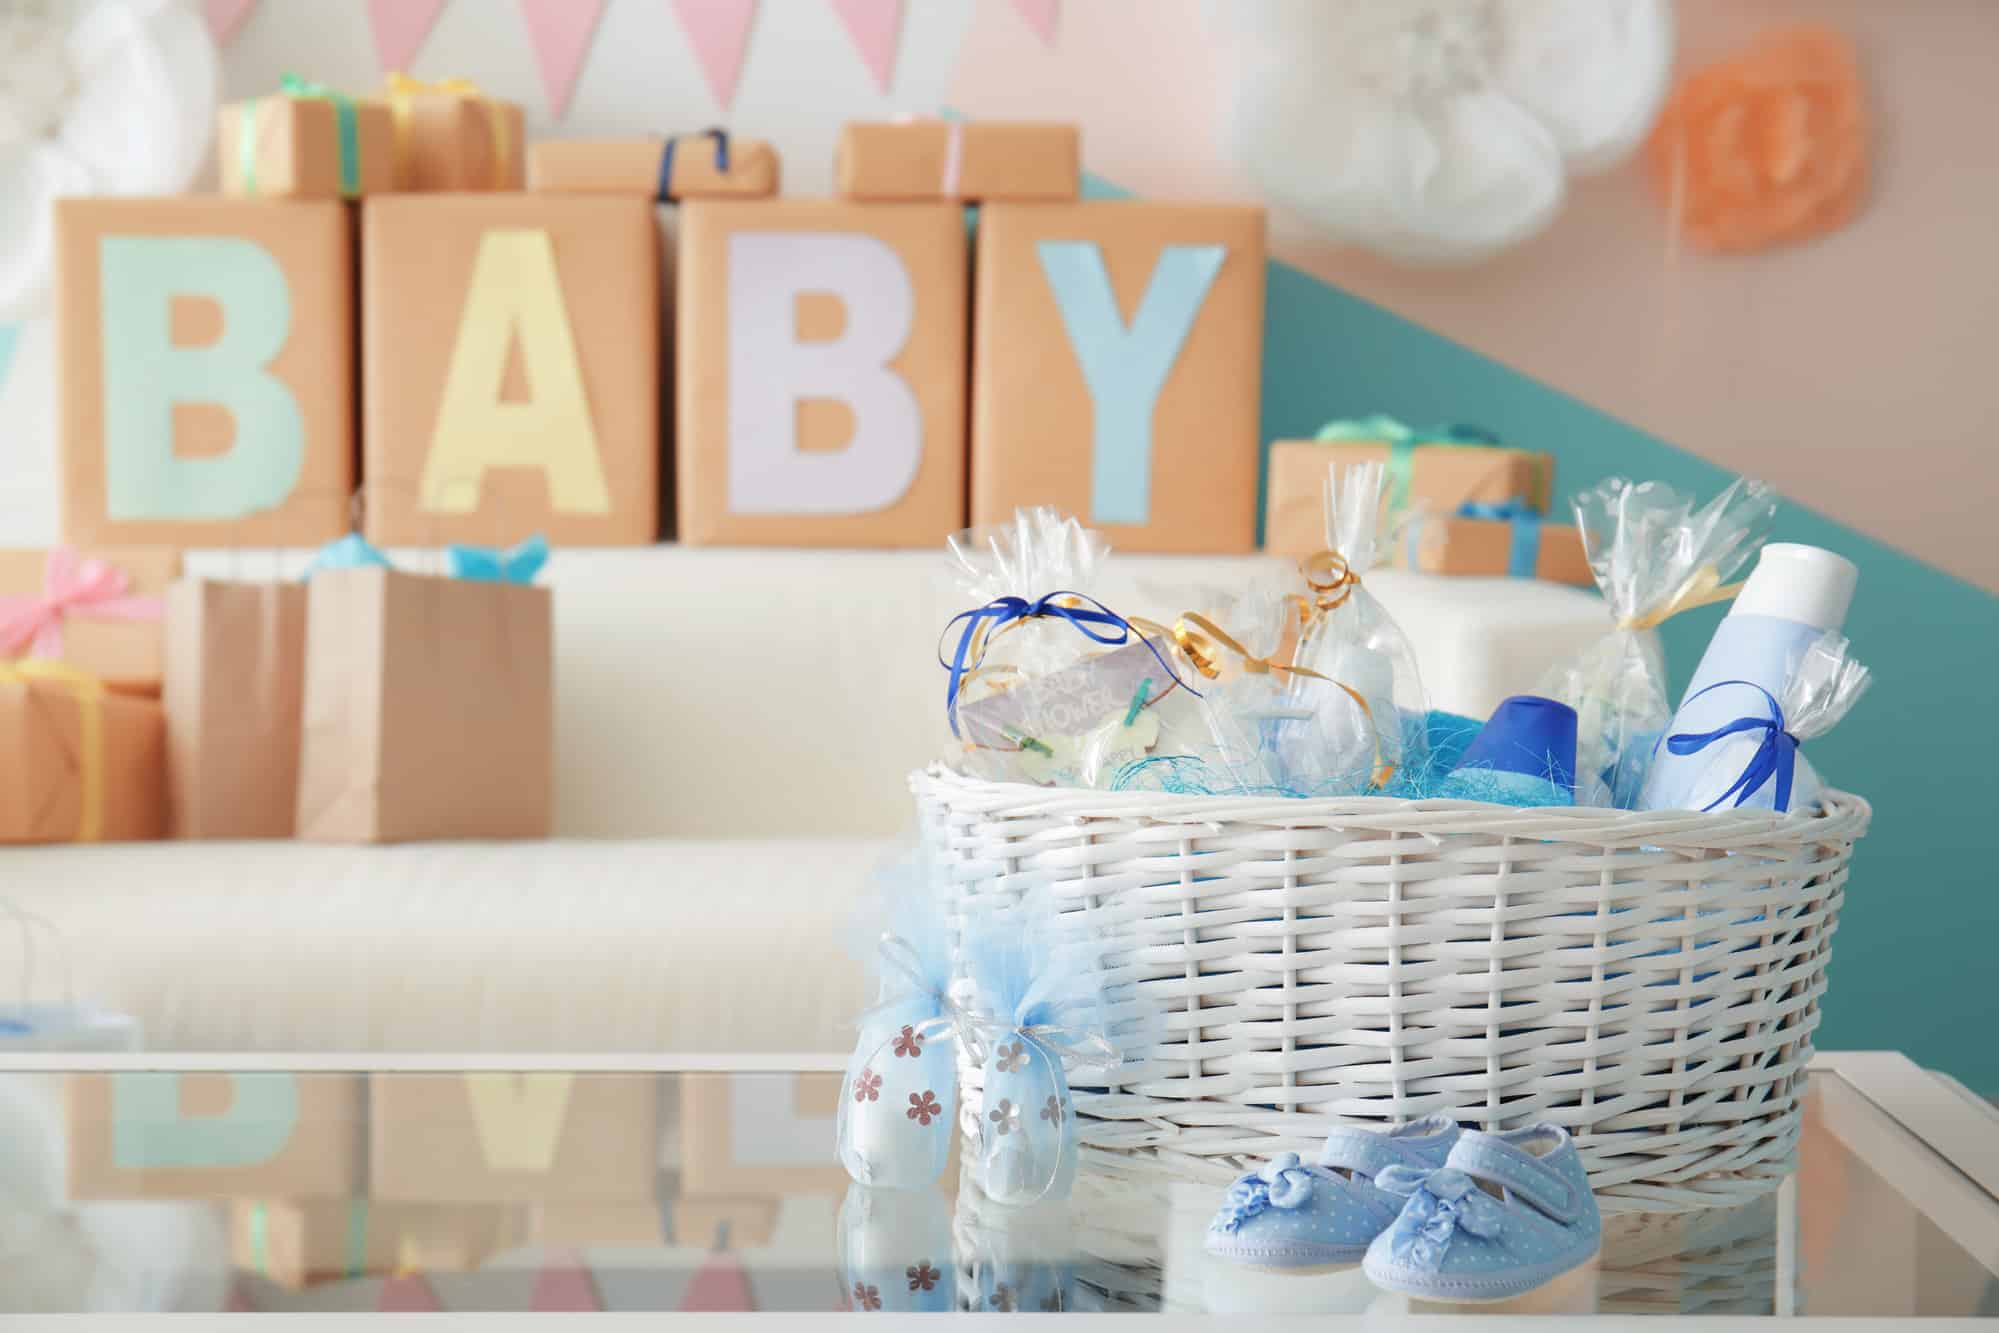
x=692, y=1189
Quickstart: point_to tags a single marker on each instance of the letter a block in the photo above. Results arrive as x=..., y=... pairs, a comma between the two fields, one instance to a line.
x=510, y=369
x=207, y=371
x=1116, y=366
x=493, y=1137
x=821, y=385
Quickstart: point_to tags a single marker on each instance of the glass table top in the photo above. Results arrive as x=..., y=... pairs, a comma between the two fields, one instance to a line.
x=553, y=1191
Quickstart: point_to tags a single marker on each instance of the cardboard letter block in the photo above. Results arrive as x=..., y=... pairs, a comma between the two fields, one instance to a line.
x=758, y=1135
x=821, y=384
x=204, y=1136
x=1116, y=367
x=206, y=367
x=510, y=369
x=493, y=1137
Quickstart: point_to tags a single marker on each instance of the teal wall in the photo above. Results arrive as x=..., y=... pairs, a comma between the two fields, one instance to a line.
x=1921, y=921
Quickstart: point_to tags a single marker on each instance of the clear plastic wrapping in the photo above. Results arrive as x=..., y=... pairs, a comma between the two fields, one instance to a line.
x=1654, y=554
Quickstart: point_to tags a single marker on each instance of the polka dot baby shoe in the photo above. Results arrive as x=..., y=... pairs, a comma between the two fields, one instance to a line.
x=1508, y=1214
x=1301, y=1219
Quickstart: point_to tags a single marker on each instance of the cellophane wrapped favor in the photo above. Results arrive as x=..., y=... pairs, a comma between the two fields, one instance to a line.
x=1046, y=683
x=1365, y=677
x=1654, y=554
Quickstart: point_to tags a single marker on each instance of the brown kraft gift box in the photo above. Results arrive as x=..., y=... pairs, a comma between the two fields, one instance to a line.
x=1441, y=478
x=205, y=370
x=821, y=373
x=111, y=618
x=1116, y=367
x=154, y=1135
x=451, y=138
x=235, y=675
x=428, y=710
x=81, y=764
x=994, y=160
x=295, y=148
x=633, y=167
x=1438, y=544
x=510, y=369
x=492, y=1137
x=297, y=1242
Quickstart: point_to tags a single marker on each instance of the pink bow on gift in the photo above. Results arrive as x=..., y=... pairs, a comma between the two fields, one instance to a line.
x=31, y=624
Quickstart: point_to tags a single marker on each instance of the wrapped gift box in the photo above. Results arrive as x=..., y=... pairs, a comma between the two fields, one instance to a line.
x=968, y=160
x=82, y=764
x=297, y=1242
x=511, y=373
x=1442, y=477
x=820, y=390
x=306, y=143
x=100, y=611
x=1522, y=546
x=688, y=166
x=450, y=137
x=1144, y=426
x=205, y=370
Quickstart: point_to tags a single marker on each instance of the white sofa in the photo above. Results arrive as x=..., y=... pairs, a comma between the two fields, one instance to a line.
x=734, y=731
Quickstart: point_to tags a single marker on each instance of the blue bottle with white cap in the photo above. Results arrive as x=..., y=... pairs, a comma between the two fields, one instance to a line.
x=1524, y=755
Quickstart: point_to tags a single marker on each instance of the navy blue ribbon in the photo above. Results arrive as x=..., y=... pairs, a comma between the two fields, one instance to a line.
x=1096, y=622
x=1776, y=756
x=721, y=138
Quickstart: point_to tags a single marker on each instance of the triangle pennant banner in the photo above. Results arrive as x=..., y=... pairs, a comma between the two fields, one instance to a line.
x=720, y=33
x=226, y=18
x=1039, y=15
x=874, y=26
x=560, y=33
x=399, y=27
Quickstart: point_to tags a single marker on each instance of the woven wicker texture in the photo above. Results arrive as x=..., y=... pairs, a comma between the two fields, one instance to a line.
x=1649, y=980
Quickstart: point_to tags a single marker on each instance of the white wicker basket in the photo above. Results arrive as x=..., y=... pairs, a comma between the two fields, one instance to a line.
x=1648, y=980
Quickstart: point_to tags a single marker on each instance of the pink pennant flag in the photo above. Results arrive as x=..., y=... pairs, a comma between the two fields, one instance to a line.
x=226, y=18
x=560, y=33
x=720, y=32
x=407, y=1294
x=719, y=1285
x=565, y=1284
x=1040, y=16
x=400, y=27
x=874, y=26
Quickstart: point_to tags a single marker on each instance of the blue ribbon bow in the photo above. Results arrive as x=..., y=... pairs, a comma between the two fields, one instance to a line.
x=1776, y=755
x=1441, y=1204
x=1525, y=555
x=486, y=564
x=1096, y=621
x=350, y=552
x=1283, y=1183
x=721, y=138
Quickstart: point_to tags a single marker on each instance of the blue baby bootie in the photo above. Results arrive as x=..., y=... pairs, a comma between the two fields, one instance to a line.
x=1299, y=1219
x=1508, y=1214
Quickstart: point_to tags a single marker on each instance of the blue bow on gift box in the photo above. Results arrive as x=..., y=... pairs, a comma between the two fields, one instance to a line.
x=518, y=563
x=350, y=552
x=1524, y=556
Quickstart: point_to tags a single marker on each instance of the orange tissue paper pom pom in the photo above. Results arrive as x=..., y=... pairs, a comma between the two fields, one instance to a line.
x=1768, y=146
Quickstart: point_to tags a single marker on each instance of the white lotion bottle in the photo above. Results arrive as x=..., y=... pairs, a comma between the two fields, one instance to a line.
x=1795, y=594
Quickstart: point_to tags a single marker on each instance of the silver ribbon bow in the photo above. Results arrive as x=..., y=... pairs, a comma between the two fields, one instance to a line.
x=1441, y=1204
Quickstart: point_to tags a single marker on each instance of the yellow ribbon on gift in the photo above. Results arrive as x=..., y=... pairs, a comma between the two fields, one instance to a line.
x=401, y=90
x=1702, y=588
x=88, y=691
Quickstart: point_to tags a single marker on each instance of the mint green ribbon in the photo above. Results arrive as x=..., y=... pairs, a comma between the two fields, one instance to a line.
x=344, y=122
x=357, y=1238
x=1402, y=442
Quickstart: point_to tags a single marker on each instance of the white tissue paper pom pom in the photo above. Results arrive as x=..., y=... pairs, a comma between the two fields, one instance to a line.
x=1439, y=130
x=96, y=97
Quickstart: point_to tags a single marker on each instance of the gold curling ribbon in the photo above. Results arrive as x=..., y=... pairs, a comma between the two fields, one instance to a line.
x=88, y=691
x=402, y=90
x=1702, y=588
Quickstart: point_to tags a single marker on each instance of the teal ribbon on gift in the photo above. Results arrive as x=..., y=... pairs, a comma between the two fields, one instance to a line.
x=1402, y=442
x=356, y=1246
x=350, y=552
x=345, y=126
x=1524, y=556
x=518, y=563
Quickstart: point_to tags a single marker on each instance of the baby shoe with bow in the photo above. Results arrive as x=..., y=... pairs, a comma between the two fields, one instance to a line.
x=1508, y=1214
x=1293, y=1218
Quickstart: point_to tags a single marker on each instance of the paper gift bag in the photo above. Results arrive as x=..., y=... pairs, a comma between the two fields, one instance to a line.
x=1496, y=539
x=428, y=709
x=953, y=159
x=99, y=611
x=1437, y=469
x=310, y=142
x=710, y=165
x=81, y=764
x=449, y=136
x=235, y=672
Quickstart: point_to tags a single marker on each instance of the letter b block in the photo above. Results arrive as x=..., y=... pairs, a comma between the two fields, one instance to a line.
x=1115, y=369
x=821, y=353
x=207, y=371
